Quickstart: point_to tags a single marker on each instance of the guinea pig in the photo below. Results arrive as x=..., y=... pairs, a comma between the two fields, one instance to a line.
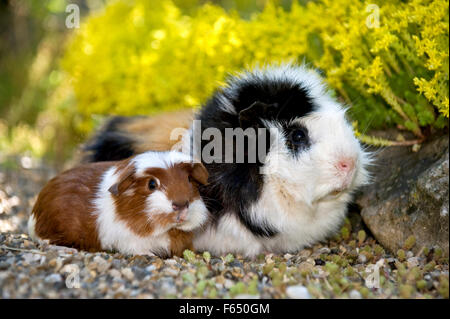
x=147, y=204
x=298, y=193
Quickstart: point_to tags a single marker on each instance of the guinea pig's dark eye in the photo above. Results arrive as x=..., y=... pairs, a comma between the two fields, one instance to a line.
x=152, y=184
x=298, y=136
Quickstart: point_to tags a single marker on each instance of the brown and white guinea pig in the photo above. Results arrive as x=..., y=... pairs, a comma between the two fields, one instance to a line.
x=147, y=204
x=298, y=194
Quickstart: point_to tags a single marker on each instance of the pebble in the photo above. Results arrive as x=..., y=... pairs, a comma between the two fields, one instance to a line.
x=102, y=264
x=324, y=250
x=298, y=292
x=413, y=262
x=168, y=288
x=114, y=273
x=354, y=294
x=171, y=272
x=128, y=273
x=362, y=258
x=53, y=278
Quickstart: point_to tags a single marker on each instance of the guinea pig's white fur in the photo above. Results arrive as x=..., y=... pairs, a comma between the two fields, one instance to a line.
x=303, y=197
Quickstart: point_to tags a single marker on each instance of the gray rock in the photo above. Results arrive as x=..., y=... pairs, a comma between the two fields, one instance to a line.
x=409, y=196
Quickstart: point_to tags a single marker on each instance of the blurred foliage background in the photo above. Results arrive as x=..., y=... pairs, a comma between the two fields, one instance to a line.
x=147, y=56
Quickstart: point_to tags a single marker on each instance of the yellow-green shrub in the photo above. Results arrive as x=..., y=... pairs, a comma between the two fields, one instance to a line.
x=140, y=57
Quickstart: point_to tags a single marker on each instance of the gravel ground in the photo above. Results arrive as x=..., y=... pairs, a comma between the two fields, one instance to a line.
x=351, y=265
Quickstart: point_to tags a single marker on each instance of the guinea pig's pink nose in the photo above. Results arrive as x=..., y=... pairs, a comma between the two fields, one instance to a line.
x=180, y=205
x=346, y=164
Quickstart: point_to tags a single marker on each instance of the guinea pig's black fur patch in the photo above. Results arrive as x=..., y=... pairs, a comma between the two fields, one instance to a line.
x=110, y=144
x=234, y=187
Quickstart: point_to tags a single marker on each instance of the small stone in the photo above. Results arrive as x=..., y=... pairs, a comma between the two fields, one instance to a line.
x=287, y=256
x=168, y=288
x=324, y=250
x=354, y=294
x=53, y=278
x=128, y=273
x=362, y=258
x=171, y=262
x=171, y=272
x=228, y=284
x=413, y=262
x=102, y=264
x=150, y=268
x=305, y=253
x=246, y=296
x=115, y=273
x=298, y=292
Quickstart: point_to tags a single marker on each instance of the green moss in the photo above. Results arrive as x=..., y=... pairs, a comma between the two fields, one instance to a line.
x=406, y=291
x=187, y=292
x=267, y=268
x=430, y=266
x=345, y=233
x=188, y=277
x=202, y=272
x=349, y=271
x=401, y=255
x=282, y=267
x=361, y=236
x=437, y=253
x=378, y=250
x=364, y=291
x=237, y=289
x=189, y=256
x=253, y=287
x=201, y=285
x=212, y=293
x=443, y=288
x=332, y=268
x=228, y=258
x=206, y=256
x=314, y=291
x=421, y=284
x=409, y=242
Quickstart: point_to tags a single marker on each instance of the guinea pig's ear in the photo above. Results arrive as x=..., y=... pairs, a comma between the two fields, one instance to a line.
x=249, y=117
x=125, y=180
x=199, y=173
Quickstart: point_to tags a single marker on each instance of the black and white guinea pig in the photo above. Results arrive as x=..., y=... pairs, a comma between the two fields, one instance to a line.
x=298, y=194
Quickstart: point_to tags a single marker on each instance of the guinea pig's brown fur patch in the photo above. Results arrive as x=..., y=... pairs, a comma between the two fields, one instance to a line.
x=133, y=192
x=63, y=210
x=179, y=241
x=153, y=133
